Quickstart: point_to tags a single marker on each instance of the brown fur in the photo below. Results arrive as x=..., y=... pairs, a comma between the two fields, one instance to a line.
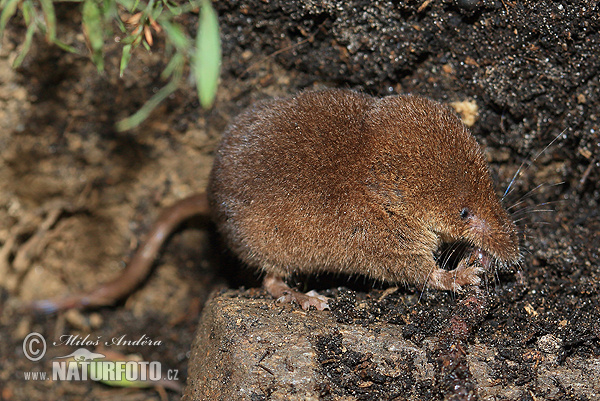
x=343, y=182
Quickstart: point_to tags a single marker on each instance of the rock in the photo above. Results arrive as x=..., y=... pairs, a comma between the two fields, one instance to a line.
x=250, y=349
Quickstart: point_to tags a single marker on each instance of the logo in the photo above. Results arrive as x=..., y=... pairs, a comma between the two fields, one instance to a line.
x=34, y=346
x=83, y=364
x=82, y=355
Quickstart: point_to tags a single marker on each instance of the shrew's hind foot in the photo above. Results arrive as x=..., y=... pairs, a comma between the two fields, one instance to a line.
x=283, y=293
x=466, y=273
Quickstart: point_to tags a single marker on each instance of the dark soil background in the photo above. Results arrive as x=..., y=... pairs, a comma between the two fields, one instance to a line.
x=76, y=196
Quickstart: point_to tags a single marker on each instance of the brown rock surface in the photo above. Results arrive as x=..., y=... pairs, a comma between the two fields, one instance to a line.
x=249, y=349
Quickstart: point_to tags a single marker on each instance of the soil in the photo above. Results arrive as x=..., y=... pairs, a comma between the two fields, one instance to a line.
x=76, y=196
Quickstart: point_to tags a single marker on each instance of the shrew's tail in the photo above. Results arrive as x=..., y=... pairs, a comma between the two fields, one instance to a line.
x=139, y=267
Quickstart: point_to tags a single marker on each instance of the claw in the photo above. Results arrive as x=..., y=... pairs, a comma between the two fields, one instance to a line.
x=466, y=273
x=284, y=294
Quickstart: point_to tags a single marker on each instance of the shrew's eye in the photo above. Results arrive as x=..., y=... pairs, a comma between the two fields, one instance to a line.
x=465, y=213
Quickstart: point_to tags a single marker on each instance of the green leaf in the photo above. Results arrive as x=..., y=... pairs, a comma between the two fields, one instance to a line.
x=125, y=59
x=26, y=46
x=111, y=14
x=126, y=4
x=134, y=6
x=28, y=12
x=173, y=9
x=181, y=9
x=158, y=9
x=133, y=38
x=50, y=17
x=207, y=59
x=143, y=113
x=176, y=36
x=175, y=66
x=137, y=37
x=92, y=26
x=65, y=46
x=8, y=11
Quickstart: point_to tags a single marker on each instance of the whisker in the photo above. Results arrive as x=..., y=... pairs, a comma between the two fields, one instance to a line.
x=518, y=216
x=519, y=220
x=552, y=202
x=530, y=193
x=508, y=189
x=530, y=208
x=449, y=253
x=512, y=181
x=547, y=203
x=520, y=202
x=535, y=223
x=527, y=211
x=496, y=278
x=533, y=208
x=425, y=285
